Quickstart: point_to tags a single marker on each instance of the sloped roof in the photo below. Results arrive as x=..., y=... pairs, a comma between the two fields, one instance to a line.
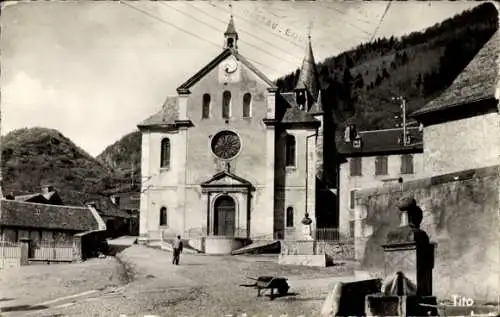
x=107, y=208
x=46, y=198
x=229, y=179
x=167, y=115
x=476, y=82
x=32, y=215
x=308, y=76
x=382, y=141
x=230, y=27
x=219, y=58
x=293, y=114
x=317, y=107
x=129, y=201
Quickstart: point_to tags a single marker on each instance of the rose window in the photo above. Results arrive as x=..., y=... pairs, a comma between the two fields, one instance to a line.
x=226, y=145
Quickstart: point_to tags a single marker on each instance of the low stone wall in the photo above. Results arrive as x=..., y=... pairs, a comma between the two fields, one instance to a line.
x=337, y=250
x=460, y=214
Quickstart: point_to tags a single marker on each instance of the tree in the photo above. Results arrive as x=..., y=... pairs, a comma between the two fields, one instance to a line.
x=385, y=73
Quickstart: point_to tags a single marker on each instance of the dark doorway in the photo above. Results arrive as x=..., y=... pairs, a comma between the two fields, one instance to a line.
x=224, y=216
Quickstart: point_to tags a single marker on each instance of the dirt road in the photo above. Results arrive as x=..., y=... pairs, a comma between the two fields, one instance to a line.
x=200, y=286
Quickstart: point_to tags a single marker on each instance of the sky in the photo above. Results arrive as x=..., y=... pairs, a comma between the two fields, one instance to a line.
x=95, y=69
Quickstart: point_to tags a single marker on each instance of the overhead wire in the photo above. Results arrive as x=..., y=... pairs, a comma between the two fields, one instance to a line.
x=214, y=28
x=245, y=32
x=187, y=32
x=245, y=19
x=381, y=20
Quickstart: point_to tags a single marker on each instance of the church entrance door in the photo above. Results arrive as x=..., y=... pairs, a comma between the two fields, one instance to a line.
x=224, y=216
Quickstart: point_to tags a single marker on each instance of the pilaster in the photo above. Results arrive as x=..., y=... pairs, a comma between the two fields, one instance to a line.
x=145, y=181
x=311, y=181
x=270, y=175
x=182, y=103
x=271, y=104
x=181, y=148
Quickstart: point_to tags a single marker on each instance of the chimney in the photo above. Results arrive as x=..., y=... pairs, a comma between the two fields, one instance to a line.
x=47, y=189
x=115, y=199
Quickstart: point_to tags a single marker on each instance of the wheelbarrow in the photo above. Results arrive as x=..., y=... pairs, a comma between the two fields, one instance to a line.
x=271, y=283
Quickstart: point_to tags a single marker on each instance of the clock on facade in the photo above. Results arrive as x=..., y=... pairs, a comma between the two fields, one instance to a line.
x=226, y=145
x=230, y=65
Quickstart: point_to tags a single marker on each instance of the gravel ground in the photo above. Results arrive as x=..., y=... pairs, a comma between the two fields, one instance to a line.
x=29, y=285
x=204, y=286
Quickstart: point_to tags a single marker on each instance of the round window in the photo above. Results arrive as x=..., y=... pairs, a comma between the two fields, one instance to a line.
x=226, y=145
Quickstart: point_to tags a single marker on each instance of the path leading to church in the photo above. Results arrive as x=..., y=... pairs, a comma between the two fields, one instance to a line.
x=202, y=286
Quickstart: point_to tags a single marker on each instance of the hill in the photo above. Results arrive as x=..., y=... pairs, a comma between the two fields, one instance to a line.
x=124, y=157
x=419, y=66
x=32, y=157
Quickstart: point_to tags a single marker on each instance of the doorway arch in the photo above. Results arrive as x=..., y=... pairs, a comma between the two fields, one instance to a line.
x=224, y=216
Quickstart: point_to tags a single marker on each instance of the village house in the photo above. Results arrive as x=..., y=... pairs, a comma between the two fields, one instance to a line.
x=372, y=159
x=48, y=195
x=461, y=125
x=231, y=159
x=458, y=190
x=44, y=222
x=129, y=203
x=117, y=220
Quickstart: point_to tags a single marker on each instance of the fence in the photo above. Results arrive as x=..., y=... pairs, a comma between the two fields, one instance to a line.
x=10, y=250
x=10, y=254
x=37, y=251
x=51, y=251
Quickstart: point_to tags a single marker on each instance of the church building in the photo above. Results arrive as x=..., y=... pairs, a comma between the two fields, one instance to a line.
x=230, y=158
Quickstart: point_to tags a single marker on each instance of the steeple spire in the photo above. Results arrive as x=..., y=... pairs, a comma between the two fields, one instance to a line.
x=308, y=82
x=231, y=35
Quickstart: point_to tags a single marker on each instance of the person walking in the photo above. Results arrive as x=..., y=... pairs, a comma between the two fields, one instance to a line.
x=177, y=250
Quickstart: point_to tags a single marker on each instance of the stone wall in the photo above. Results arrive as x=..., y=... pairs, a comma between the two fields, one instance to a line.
x=460, y=215
x=337, y=250
x=445, y=144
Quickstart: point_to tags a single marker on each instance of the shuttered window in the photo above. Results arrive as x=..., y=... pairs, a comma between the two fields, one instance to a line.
x=381, y=165
x=407, y=164
x=355, y=165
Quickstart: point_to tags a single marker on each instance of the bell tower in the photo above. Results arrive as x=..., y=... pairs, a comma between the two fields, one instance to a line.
x=231, y=36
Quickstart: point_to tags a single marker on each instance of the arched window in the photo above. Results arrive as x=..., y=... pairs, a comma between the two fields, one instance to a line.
x=163, y=216
x=290, y=150
x=289, y=217
x=206, y=106
x=165, y=153
x=230, y=42
x=247, y=99
x=226, y=103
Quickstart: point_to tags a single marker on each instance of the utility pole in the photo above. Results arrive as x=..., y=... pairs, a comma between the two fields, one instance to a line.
x=402, y=101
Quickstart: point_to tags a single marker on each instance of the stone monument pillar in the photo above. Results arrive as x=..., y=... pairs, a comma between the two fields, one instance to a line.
x=409, y=260
x=306, y=230
x=409, y=250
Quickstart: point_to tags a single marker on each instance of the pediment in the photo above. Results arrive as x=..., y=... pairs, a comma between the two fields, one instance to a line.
x=184, y=88
x=226, y=179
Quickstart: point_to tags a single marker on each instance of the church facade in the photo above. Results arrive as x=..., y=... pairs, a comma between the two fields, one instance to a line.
x=231, y=156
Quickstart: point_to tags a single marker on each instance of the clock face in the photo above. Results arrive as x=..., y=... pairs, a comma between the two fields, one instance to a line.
x=226, y=145
x=230, y=65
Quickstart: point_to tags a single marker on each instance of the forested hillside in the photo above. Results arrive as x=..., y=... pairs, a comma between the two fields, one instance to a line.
x=419, y=66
